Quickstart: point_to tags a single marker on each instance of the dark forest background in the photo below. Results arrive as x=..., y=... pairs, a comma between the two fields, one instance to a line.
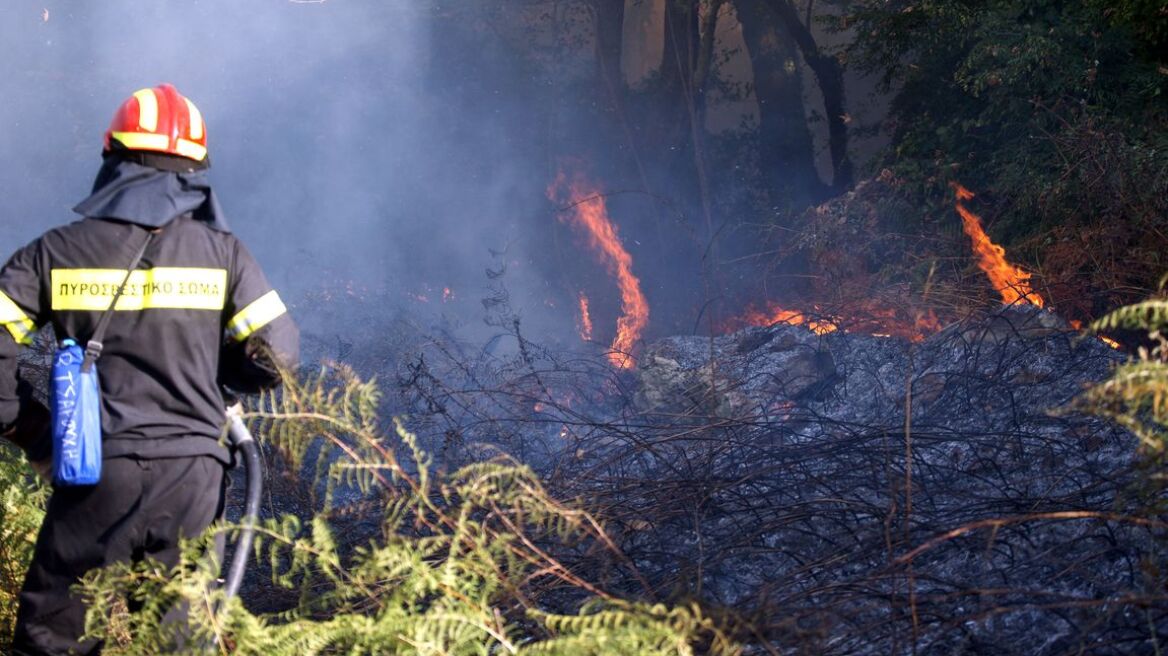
x=1052, y=112
x=395, y=150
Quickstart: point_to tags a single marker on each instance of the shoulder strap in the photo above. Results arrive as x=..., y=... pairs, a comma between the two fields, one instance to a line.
x=94, y=346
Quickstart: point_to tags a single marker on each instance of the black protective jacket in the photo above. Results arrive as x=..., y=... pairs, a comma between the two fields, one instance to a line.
x=197, y=313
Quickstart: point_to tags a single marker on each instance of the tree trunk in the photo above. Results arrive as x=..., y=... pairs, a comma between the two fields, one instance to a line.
x=786, y=150
x=609, y=20
x=830, y=76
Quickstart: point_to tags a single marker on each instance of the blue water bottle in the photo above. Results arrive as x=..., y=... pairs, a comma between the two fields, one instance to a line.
x=76, y=409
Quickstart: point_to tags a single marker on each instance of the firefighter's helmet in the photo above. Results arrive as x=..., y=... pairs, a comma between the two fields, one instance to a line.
x=159, y=120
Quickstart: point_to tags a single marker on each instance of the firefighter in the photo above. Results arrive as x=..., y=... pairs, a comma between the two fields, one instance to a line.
x=196, y=314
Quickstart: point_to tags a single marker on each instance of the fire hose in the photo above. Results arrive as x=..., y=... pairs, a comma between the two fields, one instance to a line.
x=242, y=442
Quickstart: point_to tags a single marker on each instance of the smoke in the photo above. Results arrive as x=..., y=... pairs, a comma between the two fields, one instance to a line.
x=384, y=151
x=350, y=146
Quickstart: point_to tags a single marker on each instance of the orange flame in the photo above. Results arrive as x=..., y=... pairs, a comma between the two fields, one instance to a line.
x=775, y=315
x=585, y=319
x=1010, y=281
x=867, y=318
x=586, y=207
x=1078, y=325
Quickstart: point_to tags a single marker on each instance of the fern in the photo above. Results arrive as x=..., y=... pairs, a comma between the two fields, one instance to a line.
x=1135, y=397
x=1150, y=315
x=461, y=566
x=1136, y=394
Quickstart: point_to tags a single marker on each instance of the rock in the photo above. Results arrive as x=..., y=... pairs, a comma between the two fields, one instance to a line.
x=754, y=339
x=927, y=388
x=804, y=375
x=1025, y=322
x=743, y=373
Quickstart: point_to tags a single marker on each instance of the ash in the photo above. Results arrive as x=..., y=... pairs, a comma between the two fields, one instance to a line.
x=768, y=472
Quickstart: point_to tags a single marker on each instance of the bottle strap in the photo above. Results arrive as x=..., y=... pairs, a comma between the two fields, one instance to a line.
x=93, y=346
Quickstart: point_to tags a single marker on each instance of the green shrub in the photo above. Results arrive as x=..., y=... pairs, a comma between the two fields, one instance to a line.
x=22, y=503
x=1053, y=112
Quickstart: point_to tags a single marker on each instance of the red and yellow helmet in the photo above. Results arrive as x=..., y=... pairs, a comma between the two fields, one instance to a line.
x=159, y=120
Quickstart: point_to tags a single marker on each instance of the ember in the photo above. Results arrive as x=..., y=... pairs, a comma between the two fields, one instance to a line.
x=778, y=315
x=586, y=208
x=866, y=318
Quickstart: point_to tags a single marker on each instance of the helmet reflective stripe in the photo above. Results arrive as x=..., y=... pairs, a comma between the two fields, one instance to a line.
x=196, y=120
x=16, y=321
x=142, y=140
x=147, y=109
x=191, y=150
x=256, y=315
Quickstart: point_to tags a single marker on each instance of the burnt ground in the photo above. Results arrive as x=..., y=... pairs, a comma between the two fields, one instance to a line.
x=766, y=472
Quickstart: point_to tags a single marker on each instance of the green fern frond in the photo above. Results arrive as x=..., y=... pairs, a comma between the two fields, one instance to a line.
x=1135, y=397
x=1147, y=315
x=452, y=573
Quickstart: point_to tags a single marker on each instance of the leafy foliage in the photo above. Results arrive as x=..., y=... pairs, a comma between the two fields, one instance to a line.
x=1054, y=111
x=464, y=563
x=22, y=502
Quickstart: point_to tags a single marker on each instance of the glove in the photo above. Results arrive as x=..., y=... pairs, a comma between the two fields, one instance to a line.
x=31, y=430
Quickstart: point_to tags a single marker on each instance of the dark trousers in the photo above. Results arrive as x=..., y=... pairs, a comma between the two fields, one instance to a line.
x=140, y=509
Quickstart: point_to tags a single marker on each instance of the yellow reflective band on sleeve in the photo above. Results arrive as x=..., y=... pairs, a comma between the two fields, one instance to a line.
x=182, y=288
x=256, y=315
x=16, y=321
x=147, y=109
x=142, y=140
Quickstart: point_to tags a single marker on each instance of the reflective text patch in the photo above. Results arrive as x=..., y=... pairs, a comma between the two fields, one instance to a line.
x=161, y=287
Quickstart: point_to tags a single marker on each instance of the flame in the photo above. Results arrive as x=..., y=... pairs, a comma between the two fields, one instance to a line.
x=775, y=315
x=870, y=317
x=1010, y=281
x=1078, y=325
x=586, y=209
x=867, y=318
x=585, y=319
x=447, y=295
